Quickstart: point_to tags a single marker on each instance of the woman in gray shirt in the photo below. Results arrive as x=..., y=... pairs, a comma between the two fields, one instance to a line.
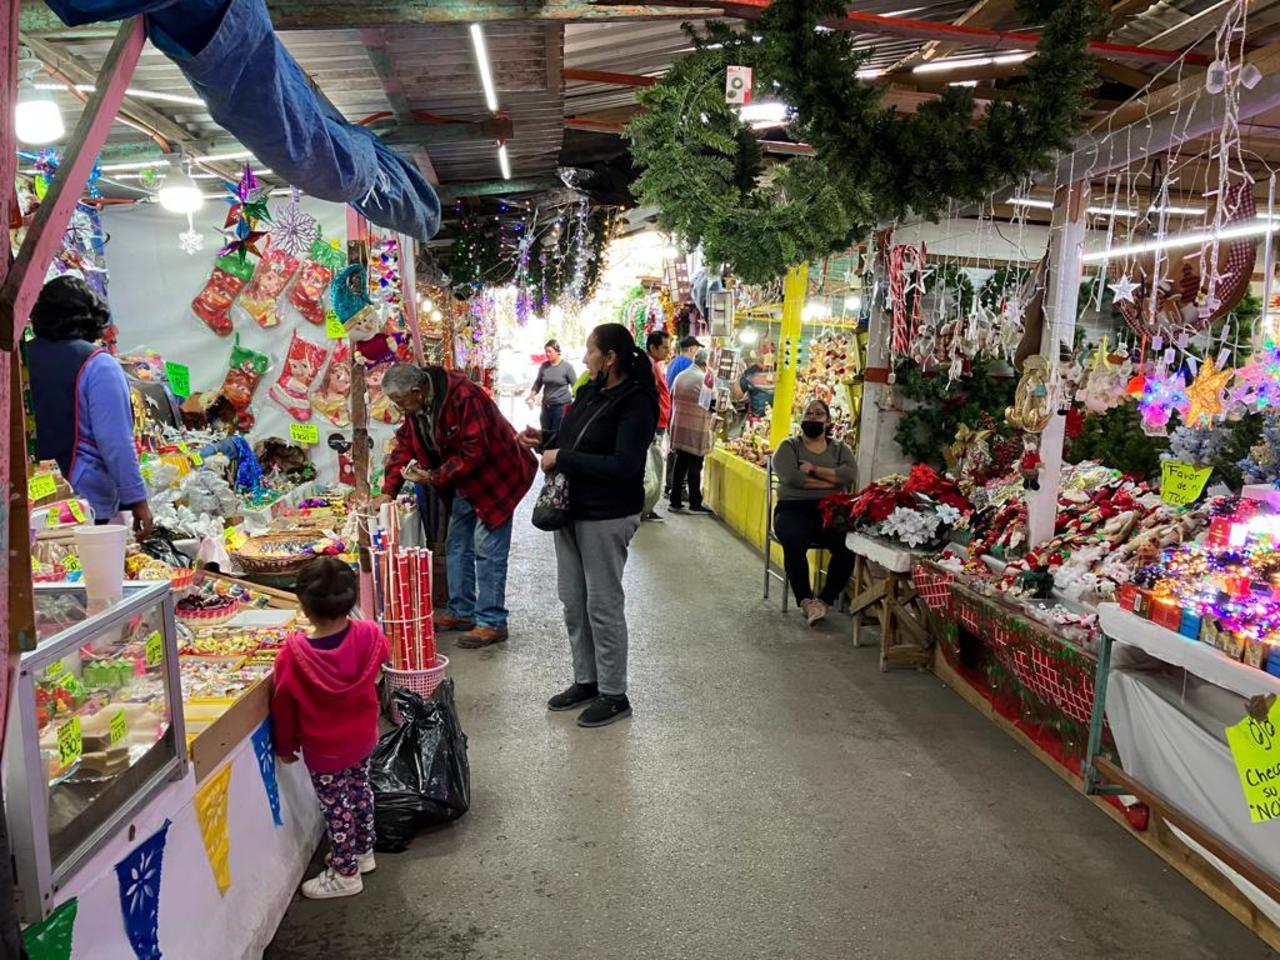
x=555, y=380
x=810, y=467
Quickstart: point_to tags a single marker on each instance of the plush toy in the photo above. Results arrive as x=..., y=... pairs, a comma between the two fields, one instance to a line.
x=1029, y=466
x=213, y=303
x=302, y=365
x=275, y=270
x=308, y=293
x=331, y=400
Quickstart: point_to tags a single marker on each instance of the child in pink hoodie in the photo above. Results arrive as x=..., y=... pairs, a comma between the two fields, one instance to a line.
x=325, y=703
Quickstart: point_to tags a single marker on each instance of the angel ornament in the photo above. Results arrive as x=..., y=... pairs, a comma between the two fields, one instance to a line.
x=1032, y=405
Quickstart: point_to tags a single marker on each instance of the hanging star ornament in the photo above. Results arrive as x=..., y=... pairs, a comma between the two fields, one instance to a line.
x=1204, y=394
x=1123, y=290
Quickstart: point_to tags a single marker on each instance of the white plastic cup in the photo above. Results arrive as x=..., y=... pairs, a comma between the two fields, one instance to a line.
x=101, y=552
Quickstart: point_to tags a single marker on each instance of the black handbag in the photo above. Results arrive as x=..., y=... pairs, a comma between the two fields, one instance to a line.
x=551, y=510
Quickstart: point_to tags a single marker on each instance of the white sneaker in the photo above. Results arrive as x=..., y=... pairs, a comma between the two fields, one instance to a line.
x=331, y=884
x=364, y=861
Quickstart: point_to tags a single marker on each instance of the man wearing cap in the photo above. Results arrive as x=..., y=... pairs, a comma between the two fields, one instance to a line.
x=688, y=347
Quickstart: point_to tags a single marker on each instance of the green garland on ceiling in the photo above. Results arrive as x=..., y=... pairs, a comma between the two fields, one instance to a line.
x=704, y=170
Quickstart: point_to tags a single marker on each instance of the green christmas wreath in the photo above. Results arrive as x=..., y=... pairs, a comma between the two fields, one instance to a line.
x=704, y=170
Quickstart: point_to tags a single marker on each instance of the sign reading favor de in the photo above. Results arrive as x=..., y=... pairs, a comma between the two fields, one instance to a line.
x=1182, y=483
x=1256, y=751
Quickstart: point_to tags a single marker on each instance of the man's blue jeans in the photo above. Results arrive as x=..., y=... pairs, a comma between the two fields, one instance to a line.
x=477, y=558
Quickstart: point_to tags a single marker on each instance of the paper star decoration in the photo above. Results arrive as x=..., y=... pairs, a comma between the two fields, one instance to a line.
x=1204, y=394
x=1124, y=289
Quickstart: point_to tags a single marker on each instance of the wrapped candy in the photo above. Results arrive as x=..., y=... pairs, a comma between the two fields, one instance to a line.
x=301, y=367
x=275, y=270
x=314, y=277
x=213, y=303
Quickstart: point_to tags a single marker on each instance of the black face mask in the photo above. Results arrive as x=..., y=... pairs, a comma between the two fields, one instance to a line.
x=813, y=429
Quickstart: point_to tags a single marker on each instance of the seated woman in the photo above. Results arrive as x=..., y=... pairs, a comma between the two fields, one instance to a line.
x=810, y=467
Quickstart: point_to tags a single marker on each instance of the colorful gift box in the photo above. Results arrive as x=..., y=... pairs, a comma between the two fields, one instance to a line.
x=1256, y=652
x=1142, y=603
x=1167, y=614
x=1190, y=626
x=1231, y=643
x=1128, y=596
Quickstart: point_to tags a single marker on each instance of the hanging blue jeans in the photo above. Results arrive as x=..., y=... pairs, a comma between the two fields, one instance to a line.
x=477, y=564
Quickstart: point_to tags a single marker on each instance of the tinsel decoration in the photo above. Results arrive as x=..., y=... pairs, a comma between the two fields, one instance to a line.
x=1262, y=465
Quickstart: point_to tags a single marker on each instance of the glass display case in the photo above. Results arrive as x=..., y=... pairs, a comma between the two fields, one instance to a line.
x=94, y=730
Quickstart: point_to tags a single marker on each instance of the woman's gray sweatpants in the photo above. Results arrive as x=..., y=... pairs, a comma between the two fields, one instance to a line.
x=590, y=557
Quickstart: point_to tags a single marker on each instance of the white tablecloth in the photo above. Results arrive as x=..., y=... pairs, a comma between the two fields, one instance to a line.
x=1197, y=658
x=1169, y=702
x=893, y=558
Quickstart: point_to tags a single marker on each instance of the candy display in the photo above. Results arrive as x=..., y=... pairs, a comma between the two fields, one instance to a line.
x=206, y=609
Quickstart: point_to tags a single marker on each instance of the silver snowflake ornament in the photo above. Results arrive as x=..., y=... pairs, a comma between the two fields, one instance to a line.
x=190, y=241
x=293, y=230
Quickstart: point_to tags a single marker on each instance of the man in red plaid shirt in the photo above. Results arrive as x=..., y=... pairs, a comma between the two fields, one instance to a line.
x=455, y=438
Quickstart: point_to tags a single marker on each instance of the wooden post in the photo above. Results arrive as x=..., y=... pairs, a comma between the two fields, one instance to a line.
x=795, y=288
x=1066, y=244
x=358, y=252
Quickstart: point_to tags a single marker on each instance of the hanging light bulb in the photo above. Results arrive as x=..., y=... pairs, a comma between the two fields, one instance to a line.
x=37, y=118
x=1215, y=77
x=179, y=193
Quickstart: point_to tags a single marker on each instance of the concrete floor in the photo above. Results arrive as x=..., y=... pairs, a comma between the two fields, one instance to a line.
x=774, y=796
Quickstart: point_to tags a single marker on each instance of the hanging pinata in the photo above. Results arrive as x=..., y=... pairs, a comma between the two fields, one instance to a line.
x=302, y=365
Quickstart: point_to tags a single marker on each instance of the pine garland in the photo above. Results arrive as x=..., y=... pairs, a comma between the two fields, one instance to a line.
x=704, y=171
x=941, y=407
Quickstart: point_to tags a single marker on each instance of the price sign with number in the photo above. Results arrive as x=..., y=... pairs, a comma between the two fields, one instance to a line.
x=155, y=649
x=235, y=538
x=304, y=433
x=179, y=378
x=77, y=511
x=195, y=458
x=1182, y=483
x=71, y=563
x=70, y=742
x=54, y=669
x=40, y=486
x=119, y=728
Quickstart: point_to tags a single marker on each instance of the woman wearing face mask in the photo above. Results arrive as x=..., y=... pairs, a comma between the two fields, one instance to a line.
x=810, y=467
x=601, y=448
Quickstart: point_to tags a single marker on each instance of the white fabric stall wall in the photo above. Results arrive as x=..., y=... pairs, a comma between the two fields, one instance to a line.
x=151, y=286
x=196, y=923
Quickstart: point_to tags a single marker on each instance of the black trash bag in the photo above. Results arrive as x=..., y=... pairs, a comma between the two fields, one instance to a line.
x=419, y=770
x=160, y=545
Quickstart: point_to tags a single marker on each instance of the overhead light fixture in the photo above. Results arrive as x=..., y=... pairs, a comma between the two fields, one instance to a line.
x=179, y=193
x=504, y=162
x=1112, y=212
x=1035, y=202
x=482, y=63
x=748, y=337
x=131, y=92
x=853, y=303
x=869, y=73
x=766, y=111
x=961, y=63
x=1180, y=211
x=815, y=311
x=37, y=118
x=1198, y=238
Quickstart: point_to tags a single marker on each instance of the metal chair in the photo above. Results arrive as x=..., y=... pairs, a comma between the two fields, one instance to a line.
x=771, y=484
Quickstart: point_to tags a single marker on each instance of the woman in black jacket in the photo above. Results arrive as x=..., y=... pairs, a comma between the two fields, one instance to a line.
x=601, y=449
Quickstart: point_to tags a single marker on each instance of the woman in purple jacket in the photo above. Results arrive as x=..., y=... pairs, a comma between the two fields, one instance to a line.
x=80, y=399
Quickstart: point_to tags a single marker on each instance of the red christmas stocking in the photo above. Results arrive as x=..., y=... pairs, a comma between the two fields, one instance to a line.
x=246, y=368
x=213, y=303
x=275, y=270
x=302, y=364
x=331, y=400
x=307, y=294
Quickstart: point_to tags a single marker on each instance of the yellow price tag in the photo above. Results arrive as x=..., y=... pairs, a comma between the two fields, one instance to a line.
x=197, y=460
x=40, y=486
x=53, y=669
x=304, y=433
x=52, y=518
x=1182, y=483
x=1255, y=747
x=155, y=649
x=235, y=538
x=71, y=563
x=119, y=728
x=77, y=511
x=70, y=742
x=333, y=327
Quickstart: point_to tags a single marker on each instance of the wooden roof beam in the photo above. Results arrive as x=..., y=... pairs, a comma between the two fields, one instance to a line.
x=983, y=13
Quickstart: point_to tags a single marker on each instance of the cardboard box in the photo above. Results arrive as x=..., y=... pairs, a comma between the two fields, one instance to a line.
x=1190, y=626
x=1255, y=653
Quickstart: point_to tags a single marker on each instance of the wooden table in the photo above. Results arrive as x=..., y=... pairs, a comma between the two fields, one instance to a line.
x=882, y=588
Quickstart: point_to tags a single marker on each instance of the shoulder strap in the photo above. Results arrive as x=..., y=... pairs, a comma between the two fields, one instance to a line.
x=590, y=420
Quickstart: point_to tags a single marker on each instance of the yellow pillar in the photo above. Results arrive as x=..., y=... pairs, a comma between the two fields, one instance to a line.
x=795, y=288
